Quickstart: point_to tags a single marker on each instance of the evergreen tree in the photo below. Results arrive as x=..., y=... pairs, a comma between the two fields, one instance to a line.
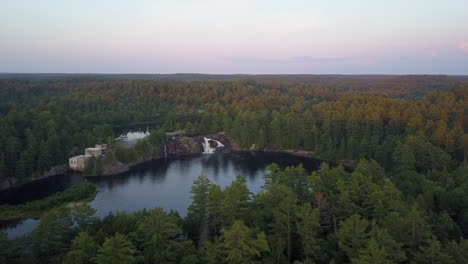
x=283, y=221
x=432, y=253
x=372, y=254
x=44, y=160
x=51, y=237
x=236, y=204
x=353, y=235
x=308, y=227
x=25, y=165
x=239, y=247
x=458, y=251
x=411, y=228
x=83, y=249
x=215, y=206
x=116, y=250
x=157, y=234
x=198, y=211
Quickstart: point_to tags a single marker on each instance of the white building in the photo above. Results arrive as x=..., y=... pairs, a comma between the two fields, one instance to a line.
x=79, y=163
x=96, y=152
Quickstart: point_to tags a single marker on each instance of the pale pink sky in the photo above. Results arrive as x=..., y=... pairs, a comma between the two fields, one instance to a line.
x=243, y=36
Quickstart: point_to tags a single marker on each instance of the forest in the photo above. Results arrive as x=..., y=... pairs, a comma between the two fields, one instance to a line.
x=405, y=201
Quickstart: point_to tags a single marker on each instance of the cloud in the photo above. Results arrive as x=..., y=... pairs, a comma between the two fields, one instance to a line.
x=463, y=47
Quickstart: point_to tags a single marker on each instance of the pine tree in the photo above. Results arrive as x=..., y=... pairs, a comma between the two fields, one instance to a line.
x=44, y=160
x=275, y=130
x=410, y=228
x=83, y=249
x=236, y=201
x=198, y=211
x=158, y=232
x=458, y=251
x=432, y=253
x=116, y=250
x=239, y=247
x=353, y=235
x=51, y=237
x=372, y=254
x=308, y=227
x=215, y=205
x=283, y=221
x=25, y=165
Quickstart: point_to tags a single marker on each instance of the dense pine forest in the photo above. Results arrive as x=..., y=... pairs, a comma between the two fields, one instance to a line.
x=405, y=201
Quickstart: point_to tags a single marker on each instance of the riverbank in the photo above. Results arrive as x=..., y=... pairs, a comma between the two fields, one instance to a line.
x=10, y=182
x=348, y=164
x=35, y=209
x=179, y=146
x=186, y=146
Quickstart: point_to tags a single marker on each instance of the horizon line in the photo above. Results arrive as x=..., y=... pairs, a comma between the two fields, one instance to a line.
x=235, y=74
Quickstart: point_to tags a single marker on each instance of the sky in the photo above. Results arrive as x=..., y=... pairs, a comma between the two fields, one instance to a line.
x=238, y=36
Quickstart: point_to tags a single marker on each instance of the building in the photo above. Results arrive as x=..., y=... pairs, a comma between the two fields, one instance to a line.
x=102, y=146
x=79, y=163
x=95, y=152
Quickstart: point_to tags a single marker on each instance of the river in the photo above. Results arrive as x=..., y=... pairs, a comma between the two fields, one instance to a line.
x=162, y=183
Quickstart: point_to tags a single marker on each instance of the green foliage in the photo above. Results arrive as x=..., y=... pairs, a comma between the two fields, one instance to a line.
x=157, y=235
x=238, y=246
x=52, y=236
x=38, y=207
x=373, y=254
x=273, y=226
x=82, y=251
x=116, y=250
x=236, y=204
x=405, y=201
x=308, y=228
x=431, y=252
x=198, y=211
x=353, y=235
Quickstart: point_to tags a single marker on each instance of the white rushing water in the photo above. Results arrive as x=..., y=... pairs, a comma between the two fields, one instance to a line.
x=207, y=149
x=165, y=150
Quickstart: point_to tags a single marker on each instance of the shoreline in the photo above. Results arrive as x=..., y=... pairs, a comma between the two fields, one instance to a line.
x=347, y=164
x=118, y=168
x=81, y=193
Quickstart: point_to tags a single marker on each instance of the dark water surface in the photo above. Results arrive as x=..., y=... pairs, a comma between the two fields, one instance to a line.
x=162, y=183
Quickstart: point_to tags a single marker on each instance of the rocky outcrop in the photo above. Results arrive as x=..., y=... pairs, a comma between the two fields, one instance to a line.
x=114, y=168
x=227, y=143
x=185, y=145
x=179, y=146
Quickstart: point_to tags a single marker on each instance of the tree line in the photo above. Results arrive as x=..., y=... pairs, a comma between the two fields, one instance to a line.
x=405, y=202
x=328, y=216
x=45, y=121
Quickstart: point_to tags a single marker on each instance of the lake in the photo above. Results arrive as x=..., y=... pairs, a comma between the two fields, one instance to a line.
x=162, y=183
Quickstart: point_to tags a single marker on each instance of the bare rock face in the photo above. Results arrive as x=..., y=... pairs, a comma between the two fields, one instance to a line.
x=213, y=144
x=180, y=146
x=114, y=168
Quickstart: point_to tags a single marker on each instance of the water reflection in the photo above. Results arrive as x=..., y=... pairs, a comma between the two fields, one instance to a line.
x=167, y=182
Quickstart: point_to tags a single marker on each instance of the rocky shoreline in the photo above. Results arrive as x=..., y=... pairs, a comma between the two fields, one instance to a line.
x=178, y=146
x=187, y=145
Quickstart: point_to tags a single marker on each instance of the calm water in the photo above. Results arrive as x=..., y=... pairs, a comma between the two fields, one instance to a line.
x=165, y=183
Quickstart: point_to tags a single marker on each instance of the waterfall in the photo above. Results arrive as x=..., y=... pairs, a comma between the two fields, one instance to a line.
x=165, y=150
x=207, y=149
